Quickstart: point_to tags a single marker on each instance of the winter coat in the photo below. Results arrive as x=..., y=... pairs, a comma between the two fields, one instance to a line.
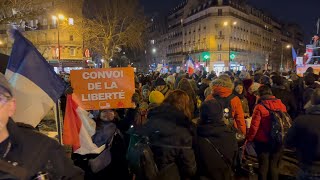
x=250, y=97
x=307, y=93
x=260, y=128
x=287, y=99
x=244, y=102
x=105, y=133
x=304, y=137
x=210, y=163
x=36, y=153
x=185, y=85
x=236, y=106
x=167, y=126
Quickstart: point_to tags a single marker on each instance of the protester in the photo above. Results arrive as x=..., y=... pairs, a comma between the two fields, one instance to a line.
x=214, y=140
x=310, y=87
x=26, y=154
x=145, y=93
x=185, y=86
x=260, y=131
x=222, y=88
x=240, y=92
x=169, y=130
x=203, y=86
x=161, y=85
x=108, y=134
x=304, y=137
x=287, y=98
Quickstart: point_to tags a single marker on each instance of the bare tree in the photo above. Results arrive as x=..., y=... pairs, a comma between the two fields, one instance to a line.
x=113, y=25
x=13, y=10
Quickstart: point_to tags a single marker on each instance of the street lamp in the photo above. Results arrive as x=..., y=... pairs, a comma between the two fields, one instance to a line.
x=1, y=43
x=287, y=47
x=154, y=50
x=56, y=19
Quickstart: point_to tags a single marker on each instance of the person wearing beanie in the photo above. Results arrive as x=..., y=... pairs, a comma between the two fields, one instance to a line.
x=222, y=88
x=161, y=85
x=212, y=130
x=304, y=138
x=26, y=153
x=156, y=97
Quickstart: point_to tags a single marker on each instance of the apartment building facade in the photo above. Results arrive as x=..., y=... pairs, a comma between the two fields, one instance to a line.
x=224, y=34
x=61, y=47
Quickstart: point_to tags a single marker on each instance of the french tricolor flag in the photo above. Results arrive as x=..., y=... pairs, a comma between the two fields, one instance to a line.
x=190, y=66
x=36, y=86
x=78, y=129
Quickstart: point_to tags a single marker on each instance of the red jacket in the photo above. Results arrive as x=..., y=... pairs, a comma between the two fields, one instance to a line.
x=236, y=106
x=260, y=128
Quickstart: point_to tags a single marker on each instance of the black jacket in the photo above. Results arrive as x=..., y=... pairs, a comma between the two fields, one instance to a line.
x=167, y=126
x=304, y=136
x=287, y=99
x=210, y=163
x=36, y=153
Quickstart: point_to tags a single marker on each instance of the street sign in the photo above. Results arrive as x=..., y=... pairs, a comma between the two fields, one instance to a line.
x=205, y=56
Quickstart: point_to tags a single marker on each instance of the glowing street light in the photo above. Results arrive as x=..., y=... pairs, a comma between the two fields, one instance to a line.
x=226, y=23
x=154, y=50
x=54, y=17
x=61, y=17
x=288, y=46
x=1, y=42
x=235, y=23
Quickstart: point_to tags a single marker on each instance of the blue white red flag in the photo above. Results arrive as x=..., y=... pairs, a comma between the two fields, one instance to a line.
x=36, y=86
x=294, y=54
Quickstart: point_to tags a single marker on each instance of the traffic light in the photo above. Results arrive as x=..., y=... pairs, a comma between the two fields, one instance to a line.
x=205, y=56
x=232, y=55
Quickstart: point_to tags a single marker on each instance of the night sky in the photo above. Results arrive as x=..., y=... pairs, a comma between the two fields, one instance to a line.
x=304, y=13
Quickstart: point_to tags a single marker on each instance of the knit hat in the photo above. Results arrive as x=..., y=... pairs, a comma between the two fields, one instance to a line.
x=4, y=85
x=254, y=88
x=211, y=112
x=160, y=82
x=223, y=81
x=156, y=97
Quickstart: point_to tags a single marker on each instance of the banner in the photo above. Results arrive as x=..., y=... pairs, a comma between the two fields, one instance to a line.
x=95, y=89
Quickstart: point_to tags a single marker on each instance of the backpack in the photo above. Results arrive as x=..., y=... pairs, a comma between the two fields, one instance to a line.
x=140, y=158
x=228, y=118
x=280, y=124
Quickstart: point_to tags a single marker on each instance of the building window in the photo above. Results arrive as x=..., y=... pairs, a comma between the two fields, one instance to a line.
x=71, y=38
x=45, y=22
x=219, y=47
x=219, y=57
x=219, y=12
x=152, y=41
x=72, y=52
x=71, y=21
x=220, y=33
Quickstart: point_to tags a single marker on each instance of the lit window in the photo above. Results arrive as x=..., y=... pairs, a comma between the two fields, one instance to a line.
x=71, y=38
x=152, y=41
x=45, y=22
x=71, y=22
x=72, y=52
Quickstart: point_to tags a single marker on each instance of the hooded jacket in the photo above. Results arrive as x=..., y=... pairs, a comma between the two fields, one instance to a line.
x=304, y=136
x=260, y=128
x=36, y=153
x=167, y=126
x=224, y=89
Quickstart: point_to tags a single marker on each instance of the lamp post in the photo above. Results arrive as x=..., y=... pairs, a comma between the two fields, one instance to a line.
x=226, y=24
x=57, y=19
x=281, y=64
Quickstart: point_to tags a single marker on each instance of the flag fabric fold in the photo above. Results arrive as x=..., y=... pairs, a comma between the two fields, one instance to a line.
x=36, y=86
x=190, y=66
x=78, y=129
x=294, y=55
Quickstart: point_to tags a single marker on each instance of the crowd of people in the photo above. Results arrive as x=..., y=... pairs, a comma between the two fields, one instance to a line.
x=198, y=124
x=194, y=126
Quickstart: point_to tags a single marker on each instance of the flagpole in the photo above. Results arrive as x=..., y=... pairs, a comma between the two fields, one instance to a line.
x=318, y=24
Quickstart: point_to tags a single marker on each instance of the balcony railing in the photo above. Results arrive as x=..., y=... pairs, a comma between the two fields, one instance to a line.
x=220, y=36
